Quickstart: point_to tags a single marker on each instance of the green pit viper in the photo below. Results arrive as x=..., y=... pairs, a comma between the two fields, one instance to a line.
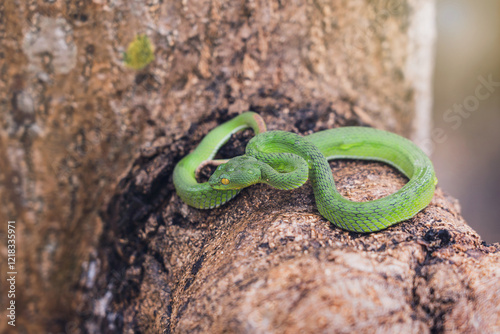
x=286, y=161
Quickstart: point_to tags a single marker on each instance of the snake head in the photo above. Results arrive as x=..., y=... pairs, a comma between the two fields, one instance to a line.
x=237, y=173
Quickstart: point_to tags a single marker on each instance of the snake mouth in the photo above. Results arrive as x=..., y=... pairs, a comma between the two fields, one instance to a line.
x=220, y=186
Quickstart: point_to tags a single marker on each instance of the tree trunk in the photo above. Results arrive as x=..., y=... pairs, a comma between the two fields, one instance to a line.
x=88, y=145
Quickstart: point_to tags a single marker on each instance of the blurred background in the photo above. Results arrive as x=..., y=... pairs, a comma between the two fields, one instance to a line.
x=466, y=127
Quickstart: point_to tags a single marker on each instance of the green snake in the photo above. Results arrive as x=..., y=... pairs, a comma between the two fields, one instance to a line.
x=286, y=160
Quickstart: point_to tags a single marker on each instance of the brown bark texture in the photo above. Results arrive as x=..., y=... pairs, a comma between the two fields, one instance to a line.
x=87, y=148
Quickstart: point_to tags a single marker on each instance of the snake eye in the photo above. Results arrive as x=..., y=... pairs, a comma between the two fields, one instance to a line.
x=225, y=181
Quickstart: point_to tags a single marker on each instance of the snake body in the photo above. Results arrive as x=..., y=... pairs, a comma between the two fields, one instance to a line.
x=286, y=160
x=202, y=195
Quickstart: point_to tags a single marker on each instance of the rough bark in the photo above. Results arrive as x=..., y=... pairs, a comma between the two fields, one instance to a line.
x=88, y=148
x=267, y=262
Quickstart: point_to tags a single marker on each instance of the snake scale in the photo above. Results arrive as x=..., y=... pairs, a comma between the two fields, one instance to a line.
x=286, y=161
